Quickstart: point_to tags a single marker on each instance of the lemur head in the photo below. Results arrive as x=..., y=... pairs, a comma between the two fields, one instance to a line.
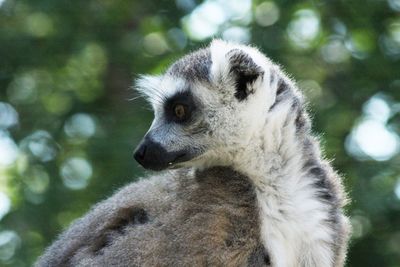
x=208, y=106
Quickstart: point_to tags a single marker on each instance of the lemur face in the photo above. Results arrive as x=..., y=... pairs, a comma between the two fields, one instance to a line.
x=207, y=106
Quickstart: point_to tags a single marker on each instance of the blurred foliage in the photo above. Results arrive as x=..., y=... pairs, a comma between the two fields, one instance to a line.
x=67, y=127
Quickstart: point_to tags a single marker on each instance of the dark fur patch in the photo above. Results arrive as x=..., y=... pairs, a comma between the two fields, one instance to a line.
x=300, y=121
x=321, y=182
x=327, y=194
x=245, y=71
x=124, y=218
x=282, y=87
x=242, y=84
x=184, y=98
x=129, y=216
x=273, y=77
x=195, y=66
x=281, y=92
x=259, y=258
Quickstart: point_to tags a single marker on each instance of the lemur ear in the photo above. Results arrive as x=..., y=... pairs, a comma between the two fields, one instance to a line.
x=245, y=72
x=233, y=64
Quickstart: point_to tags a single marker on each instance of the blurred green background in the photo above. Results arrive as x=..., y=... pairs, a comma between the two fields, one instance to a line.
x=68, y=126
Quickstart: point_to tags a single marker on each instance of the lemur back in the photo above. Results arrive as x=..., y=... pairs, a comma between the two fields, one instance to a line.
x=244, y=182
x=183, y=218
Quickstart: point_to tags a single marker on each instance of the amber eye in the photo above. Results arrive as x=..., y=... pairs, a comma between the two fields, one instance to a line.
x=180, y=111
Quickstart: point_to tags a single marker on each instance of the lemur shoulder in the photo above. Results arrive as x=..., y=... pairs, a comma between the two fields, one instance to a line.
x=243, y=181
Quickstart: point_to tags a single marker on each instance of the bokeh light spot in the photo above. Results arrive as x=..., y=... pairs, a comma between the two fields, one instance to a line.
x=9, y=243
x=39, y=24
x=57, y=102
x=40, y=145
x=5, y=204
x=155, y=44
x=23, y=89
x=394, y=31
x=335, y=51
x=8, y=116
x=266, y=13
x=207, y=19
x=371, y=138
x=76, y=172
x=304, y=28
x=311, y=88
x=8, y=149
x=377, y=108
x=361, y=225
x=178, y=37
x=198, y=24
x=237, y=35
x=185, y=4
x=389, y=46
x=237, y=10
x=397, y=189
x=394, y=4
x=360, y=43
x=80, y=126
x=37, y=180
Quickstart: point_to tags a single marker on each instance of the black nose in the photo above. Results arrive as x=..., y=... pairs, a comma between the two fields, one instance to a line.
x=152, y=155
x=140, y=153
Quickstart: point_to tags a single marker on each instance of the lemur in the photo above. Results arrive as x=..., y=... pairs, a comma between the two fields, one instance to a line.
x=243, y=181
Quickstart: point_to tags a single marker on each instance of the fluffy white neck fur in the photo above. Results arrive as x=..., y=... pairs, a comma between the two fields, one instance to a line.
x=292, y=217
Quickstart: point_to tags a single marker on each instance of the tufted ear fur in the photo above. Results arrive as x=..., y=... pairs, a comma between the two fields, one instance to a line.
x=231, y=63
x=245, y=72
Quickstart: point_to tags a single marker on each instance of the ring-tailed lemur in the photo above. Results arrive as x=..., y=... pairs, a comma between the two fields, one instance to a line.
x=245, y=183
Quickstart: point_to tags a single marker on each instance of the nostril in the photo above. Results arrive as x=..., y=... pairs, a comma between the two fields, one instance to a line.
x=140, y=153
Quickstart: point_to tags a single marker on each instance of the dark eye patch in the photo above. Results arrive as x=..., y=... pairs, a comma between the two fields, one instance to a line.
x=184, y=98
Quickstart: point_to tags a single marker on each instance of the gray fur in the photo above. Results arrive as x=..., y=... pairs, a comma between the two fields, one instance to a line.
x=206, y=218
x=193, y=67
